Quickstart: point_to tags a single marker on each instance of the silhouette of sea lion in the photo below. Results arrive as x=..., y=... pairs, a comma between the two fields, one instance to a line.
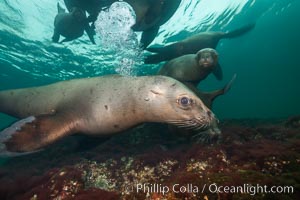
x=193, y=44
x=71, y=25
x=92, y=7
x=150, y=15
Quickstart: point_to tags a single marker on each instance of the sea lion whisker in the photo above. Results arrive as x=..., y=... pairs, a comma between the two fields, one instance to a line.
x=199, y=127
x=186, y=124
x=178, y=123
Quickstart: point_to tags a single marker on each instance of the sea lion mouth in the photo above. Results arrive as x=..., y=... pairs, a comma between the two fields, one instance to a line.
x=206, y=64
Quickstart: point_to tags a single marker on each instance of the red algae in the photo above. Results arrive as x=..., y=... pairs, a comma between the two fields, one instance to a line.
x=96, y=194
x=144, y=162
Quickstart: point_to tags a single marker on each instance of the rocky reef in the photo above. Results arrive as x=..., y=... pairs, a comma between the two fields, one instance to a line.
x=254, y=159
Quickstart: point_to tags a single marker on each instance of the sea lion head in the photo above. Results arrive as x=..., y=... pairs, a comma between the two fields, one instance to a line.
x=78, y=14
x=175, y=104
x=208, y=58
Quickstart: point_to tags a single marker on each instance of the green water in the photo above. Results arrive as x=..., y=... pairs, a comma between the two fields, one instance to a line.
x=266, y=60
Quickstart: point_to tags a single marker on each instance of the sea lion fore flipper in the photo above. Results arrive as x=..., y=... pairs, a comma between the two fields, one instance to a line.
x=155, y=49
x=210, y=96
x=218, y=73
x=56, y=34
x=90, y=32
x=162, y=54
x=34, y=132
x=148, y=36
x=55, y=37
x=229, y=84
x=66, y=40
x=7, y=133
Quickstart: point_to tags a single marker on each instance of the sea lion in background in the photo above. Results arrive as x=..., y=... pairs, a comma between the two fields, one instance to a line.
x=193, y=67
x=193, y=44
x=98, y=106
x=150, y=15
x=71, y=25
x=92, y=7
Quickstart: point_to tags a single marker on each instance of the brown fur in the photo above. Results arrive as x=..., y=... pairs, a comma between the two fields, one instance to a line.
x=190, y=68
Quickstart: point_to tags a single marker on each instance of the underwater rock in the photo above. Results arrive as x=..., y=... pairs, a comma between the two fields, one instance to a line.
x=293, y=122
x=144, y=162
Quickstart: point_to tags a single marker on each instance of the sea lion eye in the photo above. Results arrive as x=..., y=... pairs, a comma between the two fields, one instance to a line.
x=185, y=101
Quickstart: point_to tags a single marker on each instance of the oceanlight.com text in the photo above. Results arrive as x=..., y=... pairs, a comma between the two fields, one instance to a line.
x=212, y=188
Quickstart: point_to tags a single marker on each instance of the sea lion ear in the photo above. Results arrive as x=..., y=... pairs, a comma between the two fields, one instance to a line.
x=218, y=72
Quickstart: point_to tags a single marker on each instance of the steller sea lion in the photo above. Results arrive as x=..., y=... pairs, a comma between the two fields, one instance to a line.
x=207, y=98
x=92, y=7
x=192, y=44
x=190, y=70
x=150, y=15
x=98, y=106
x=71, y=25
x=193, y=68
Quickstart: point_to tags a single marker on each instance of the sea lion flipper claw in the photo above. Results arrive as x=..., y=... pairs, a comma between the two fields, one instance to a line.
x=32, y=133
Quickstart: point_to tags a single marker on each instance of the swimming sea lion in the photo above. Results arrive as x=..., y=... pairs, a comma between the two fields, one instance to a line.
x=71, y=25
x=150, y=15
x=207, y=97
x=192, y=44
x=96, y=106
x=193, y=67
x=92, y=7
